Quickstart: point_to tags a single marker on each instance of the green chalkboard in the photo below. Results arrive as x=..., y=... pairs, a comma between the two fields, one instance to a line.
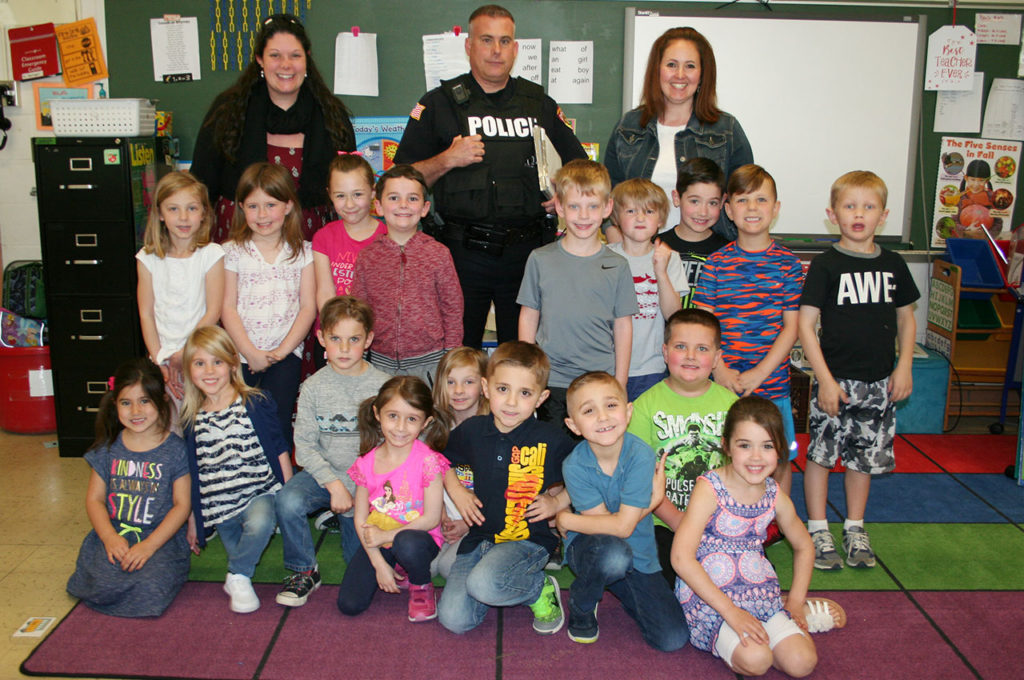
x=399, y=25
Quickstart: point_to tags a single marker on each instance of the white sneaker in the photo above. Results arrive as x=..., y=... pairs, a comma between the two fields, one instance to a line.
x=243, y=597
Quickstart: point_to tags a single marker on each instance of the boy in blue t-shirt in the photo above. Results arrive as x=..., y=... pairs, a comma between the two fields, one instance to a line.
x=577, y=296
x=610, y=543
x=753, y=286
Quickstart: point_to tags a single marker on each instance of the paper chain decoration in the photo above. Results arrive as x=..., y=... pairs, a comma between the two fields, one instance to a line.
x=234, y=25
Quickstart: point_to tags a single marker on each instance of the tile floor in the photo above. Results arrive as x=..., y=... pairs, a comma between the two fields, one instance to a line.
x=42, y=523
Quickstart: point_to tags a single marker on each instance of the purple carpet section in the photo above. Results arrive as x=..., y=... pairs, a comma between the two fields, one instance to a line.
x=886, y=636
x=619, y=652
x=985, y=626
x=197, y=637
x=318, y=642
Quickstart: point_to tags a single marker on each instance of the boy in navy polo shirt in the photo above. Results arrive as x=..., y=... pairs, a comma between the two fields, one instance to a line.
x=517, y=475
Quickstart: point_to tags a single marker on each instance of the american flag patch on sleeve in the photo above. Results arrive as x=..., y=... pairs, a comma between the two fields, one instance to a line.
x=417, y=111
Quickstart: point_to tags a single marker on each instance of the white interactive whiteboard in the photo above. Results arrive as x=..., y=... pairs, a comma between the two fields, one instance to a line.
x=816, y=98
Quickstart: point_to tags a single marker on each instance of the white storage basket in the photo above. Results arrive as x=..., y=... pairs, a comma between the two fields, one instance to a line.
x=103, y=117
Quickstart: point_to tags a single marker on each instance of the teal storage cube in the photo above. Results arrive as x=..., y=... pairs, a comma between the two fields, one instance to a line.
x=922, y=412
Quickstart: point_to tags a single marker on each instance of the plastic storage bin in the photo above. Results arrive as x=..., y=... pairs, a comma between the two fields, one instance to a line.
x=103, y=117
x=26, y=390
x=978, y=266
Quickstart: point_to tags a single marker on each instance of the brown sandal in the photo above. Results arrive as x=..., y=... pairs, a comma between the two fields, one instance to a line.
x=823, y=615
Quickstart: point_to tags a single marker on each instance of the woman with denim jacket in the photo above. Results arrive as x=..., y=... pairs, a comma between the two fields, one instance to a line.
x=678, y=103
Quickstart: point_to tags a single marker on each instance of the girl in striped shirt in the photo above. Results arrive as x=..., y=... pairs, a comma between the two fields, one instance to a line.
x=237, y=456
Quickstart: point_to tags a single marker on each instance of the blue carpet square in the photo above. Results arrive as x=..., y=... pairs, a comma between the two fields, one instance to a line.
x=1000, y=491
x=923, y=498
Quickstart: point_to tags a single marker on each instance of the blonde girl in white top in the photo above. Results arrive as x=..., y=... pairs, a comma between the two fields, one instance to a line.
x=180, y=272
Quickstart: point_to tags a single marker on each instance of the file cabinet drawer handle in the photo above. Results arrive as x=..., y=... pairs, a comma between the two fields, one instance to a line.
x=86, y=240
x=97, y=338
x=95, y=387
x=90, y=262
x=90, y=315
x=77, y=187
x=88, y=409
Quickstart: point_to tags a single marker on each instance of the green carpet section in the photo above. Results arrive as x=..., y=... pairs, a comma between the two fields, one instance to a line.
x=921, y=556
x=948, y=556
x=781, y=557
x=212, y=564
x=924, y=557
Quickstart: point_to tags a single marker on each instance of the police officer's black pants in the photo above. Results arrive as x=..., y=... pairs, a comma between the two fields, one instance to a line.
x=487, y=278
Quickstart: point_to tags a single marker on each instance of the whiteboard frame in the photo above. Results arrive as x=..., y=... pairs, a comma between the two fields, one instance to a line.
x=901, y=197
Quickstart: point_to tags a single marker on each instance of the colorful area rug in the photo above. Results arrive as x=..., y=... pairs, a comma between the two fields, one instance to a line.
x=945, y=601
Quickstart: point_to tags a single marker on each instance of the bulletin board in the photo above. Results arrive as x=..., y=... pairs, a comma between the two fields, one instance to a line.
x=399, y=25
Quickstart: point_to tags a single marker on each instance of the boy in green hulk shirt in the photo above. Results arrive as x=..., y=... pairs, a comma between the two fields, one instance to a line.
x=683, y=414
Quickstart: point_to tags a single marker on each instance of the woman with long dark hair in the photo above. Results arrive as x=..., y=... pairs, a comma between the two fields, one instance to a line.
x=279, y=110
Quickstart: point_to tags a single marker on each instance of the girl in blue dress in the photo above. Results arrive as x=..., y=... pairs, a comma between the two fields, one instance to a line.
x=135, y=560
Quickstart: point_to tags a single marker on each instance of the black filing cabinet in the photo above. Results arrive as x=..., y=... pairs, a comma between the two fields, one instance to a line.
x=94, y=194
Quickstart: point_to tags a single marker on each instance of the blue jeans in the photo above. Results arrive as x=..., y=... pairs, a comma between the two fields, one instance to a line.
x=299, y=497
x=601, y=561
x=282, y=381
x=412, y=548
x=638, y=384
x=492, y=575
x=245, y=536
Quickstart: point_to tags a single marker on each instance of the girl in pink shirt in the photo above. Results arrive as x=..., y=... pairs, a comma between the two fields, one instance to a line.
x=398, y=502
x=335, y=247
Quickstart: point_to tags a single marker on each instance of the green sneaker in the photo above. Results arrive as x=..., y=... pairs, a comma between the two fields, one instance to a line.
x=547, y=610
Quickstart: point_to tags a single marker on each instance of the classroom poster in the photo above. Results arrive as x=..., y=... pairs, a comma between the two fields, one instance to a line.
x=377, y=139
x=976, y=188
x=80, y=53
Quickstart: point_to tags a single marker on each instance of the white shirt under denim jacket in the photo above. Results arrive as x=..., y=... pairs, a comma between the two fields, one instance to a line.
x=633, y=150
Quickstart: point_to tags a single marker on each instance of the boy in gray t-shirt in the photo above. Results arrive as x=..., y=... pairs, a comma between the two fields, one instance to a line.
x=327, y=442
x=577, y=296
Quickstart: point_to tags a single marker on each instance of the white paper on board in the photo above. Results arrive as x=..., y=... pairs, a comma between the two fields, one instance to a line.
x=1004, y=112
x=1020, y=74
x=997, y=29
x=951, y=57
x=355, y=64
x=960, y=110
x=444, y=57
x=571, y=71
x=528, y=62
x=175, y=45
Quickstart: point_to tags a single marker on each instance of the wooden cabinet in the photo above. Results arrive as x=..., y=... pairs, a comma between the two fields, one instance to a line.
x=972, y=327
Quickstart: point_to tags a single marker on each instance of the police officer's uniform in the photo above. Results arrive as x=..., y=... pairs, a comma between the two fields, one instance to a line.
x=490, y=213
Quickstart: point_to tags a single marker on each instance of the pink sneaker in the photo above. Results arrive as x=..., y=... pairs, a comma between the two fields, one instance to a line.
x=401, y=577
x=422, y=606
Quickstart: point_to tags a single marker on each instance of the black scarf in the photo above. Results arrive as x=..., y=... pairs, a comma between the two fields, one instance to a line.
x=263, y=117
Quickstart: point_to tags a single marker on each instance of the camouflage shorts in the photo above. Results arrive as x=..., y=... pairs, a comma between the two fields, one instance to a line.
x=861, y=434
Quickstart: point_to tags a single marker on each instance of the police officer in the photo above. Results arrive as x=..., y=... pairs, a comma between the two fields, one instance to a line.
x=472, y=138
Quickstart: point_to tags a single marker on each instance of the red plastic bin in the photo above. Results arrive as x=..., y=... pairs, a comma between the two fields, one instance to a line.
x=26, y=390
